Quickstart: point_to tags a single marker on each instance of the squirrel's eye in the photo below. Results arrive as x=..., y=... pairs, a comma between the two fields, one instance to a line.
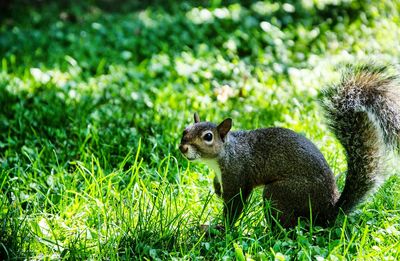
x=208, y=137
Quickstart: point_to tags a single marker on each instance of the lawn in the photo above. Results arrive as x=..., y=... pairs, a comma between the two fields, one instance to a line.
x=94, y=96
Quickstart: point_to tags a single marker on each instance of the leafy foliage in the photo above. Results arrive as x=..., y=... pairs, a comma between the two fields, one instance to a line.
x=94, y=97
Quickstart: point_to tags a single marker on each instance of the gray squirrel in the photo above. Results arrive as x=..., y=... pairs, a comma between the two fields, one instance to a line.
x=363, y=111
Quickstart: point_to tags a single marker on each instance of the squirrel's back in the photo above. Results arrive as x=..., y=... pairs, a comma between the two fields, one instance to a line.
x=270, y=148
x=272, y=156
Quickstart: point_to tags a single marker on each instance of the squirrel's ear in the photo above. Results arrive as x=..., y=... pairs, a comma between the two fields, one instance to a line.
x=196, y=117
x=224, y=127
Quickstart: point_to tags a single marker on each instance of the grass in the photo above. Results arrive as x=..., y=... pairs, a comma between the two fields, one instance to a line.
x=94, y=98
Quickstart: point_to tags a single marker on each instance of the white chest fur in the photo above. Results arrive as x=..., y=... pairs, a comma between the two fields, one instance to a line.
x=213, y=164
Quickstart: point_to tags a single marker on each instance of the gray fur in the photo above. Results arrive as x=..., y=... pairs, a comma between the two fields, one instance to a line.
x=364, y=114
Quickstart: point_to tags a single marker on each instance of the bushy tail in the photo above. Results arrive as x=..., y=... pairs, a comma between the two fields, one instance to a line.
x=364, y=113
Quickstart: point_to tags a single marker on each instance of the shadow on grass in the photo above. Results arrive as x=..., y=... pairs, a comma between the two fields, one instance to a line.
x=14, y=235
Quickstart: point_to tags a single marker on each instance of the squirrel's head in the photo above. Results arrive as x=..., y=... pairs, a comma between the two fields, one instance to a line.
x=204, y=140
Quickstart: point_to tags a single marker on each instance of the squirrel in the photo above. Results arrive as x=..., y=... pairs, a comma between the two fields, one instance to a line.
x=363, y=111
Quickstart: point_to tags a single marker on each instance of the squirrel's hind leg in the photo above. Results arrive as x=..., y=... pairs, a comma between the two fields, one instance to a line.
x=286, y=201
x=275, y=212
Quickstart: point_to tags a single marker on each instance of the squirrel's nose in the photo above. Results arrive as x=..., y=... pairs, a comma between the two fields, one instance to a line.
x=183, y=148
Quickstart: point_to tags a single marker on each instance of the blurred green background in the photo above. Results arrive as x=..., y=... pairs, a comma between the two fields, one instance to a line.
x=94, y=96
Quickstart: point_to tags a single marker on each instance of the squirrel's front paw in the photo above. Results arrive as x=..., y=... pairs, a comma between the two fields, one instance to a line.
x=217, y=188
